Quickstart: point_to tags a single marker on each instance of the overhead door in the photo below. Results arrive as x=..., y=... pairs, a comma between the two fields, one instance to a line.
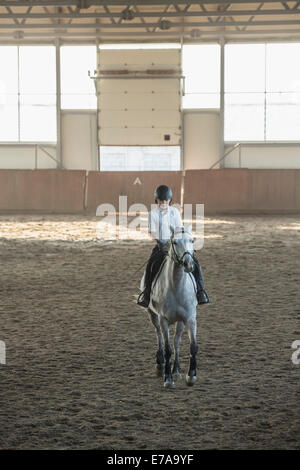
x=139, y=96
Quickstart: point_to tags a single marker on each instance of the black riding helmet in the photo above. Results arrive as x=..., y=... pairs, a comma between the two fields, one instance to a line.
x=163, y=193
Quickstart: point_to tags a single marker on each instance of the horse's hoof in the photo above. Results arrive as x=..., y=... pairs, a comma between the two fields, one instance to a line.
x=177, y=375
x=169, y=384
x=190, y=380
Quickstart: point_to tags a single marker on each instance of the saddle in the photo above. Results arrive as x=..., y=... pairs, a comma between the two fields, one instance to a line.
x=159, y=272
x=156, y=276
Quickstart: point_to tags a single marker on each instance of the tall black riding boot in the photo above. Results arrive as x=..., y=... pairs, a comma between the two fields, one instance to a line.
x=144, y=298
x=151, y=269
x=202, y=296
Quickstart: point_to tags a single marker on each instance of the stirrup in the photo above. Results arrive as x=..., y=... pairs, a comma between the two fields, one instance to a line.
x=143, y=302
x=202, y=293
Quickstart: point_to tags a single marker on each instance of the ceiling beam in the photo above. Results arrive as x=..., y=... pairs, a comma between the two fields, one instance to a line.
x=164, y=15
x=253, y=16
x=110, y=16
x=153, y=14
x=27, y=12
x=10, y=13
x=136, y=9
x=170, y=18
x=178, y=24
x=109, y=3
x=258, y=35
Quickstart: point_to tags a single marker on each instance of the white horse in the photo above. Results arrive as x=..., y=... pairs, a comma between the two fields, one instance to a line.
x=173, y=300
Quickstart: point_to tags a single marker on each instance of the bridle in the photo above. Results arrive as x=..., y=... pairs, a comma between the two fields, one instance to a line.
x=180, y=260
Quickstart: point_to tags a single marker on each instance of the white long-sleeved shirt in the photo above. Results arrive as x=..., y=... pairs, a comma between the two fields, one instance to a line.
x=160, y=222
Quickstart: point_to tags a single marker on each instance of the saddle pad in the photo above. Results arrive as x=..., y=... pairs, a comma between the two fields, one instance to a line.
x=159, y=271
x=193, y=281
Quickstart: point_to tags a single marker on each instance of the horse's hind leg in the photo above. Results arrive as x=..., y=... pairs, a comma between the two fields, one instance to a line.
x=177, y=342
x=191, y=375
x=168, y=383
x=160, y=359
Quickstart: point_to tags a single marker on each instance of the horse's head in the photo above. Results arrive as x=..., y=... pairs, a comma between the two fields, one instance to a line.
x=182, y=249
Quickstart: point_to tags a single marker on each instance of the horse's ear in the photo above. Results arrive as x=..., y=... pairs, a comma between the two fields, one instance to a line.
x=189, y=228
x=172, y=231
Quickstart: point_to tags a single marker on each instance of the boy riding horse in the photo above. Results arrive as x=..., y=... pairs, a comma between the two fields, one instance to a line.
x=160, y=220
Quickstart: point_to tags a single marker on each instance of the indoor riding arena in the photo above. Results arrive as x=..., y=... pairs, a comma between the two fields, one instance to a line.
x=101, y=102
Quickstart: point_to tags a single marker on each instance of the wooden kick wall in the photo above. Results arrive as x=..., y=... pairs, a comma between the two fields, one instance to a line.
x=220, y=190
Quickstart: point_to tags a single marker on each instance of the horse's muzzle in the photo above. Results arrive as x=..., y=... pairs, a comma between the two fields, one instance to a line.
x=188, y=264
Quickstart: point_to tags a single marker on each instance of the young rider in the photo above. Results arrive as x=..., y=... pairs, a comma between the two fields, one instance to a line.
x=160, y=220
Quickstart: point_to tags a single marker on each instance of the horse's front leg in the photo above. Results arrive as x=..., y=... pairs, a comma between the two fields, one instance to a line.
x=191, y=375
x=168, y=383
x=177, y=342
x=160, y=359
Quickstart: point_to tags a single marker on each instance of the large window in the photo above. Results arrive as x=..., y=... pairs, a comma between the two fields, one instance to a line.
x=117, y=158
x=27, y=94
x=262, y=92
x=283, y=91
x=244, y=91
x=9, y=93
x=201, y=68
x=37, y=93
x=77, y=88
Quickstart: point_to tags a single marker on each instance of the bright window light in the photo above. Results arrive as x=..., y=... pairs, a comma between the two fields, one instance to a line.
x=8, y=70
x=244, y=68
x=9, y=118
x=244, y=117
x=27, y=94
x=201, y=68
x=283, y=68
x=37, y=70
x=37, y=118
x=140, y=46
x=201, y=100
x=116, y=158
x=262, y=92
x=37, y=93
x=77, y=88
x=8, y=93
x=282, y=116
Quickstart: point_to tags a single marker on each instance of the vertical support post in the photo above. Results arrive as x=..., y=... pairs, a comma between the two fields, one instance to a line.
x=97, y=92
x=182, y=159
x=182, y=156
x=222, y=89
x=58, y=105
x=265, y=97
x=19, y=105
x=240, y=156
x=35, y=157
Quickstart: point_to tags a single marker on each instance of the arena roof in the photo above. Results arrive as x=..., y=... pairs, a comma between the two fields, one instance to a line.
x=148, y=21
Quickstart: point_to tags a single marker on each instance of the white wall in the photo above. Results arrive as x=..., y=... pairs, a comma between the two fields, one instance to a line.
x=201, y=139
x=79, y=146
x=24, y=156
x=79, y=140
x=201, y=146
x=264, y=156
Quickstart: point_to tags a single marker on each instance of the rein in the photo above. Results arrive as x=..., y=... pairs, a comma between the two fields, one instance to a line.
x=180, y=260
x=142, y=265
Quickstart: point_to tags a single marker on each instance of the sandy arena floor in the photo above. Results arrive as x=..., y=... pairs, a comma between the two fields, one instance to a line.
x=81, y=354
